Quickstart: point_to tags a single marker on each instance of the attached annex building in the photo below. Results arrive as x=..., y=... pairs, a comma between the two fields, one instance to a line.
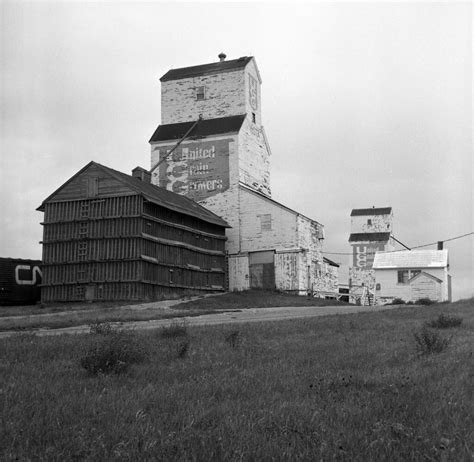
x=112, y=236
x=211, y=147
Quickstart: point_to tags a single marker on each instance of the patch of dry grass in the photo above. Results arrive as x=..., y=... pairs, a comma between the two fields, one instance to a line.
x=336, y=388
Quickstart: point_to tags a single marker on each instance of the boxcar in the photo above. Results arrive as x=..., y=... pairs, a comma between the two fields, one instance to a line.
x=19, y=281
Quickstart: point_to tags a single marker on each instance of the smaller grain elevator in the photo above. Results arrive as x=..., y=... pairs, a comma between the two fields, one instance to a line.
x=112, y=236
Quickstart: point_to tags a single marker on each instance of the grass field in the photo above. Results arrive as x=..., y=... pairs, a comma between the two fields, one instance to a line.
x=75, y=314
x=350, y=387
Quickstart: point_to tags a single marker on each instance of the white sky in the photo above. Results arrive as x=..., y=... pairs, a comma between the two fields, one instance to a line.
x=363, y=104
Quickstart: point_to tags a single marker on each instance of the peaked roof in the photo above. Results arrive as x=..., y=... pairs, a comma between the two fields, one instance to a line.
x=205, y=127
x=372, y=211
x=411, y=259
x=152, y=193
x=364, y=237
x=424, y=274
x=206, y=69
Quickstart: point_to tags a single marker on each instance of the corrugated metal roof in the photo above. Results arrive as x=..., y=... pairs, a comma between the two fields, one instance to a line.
x=206, y=69
x=205, y=127
x=371, y=211
x=411, y=259
x=363, y=237
x=155, y=194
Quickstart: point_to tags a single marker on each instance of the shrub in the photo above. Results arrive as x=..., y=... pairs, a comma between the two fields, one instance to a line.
x=398, y=301
x=445, y=321
x=233, y=339
x=182, y=348
x=429, y=342
x=112, y=353
x=100, y=328
x=425, y=301
x=175, y=329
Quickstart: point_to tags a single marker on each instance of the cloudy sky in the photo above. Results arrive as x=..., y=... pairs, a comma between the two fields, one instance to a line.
x=364, y=104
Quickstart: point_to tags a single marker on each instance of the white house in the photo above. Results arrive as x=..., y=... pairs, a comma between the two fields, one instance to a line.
x=412, y=275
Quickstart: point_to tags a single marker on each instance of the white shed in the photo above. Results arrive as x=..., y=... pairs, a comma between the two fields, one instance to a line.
x=412, y=275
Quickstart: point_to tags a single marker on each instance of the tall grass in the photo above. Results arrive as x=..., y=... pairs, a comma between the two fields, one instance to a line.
x=336, y=388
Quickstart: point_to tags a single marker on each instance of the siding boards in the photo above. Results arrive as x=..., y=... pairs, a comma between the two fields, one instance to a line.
x=125, y=248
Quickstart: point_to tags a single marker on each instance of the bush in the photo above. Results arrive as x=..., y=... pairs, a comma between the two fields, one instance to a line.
x=429, y=342
x=425, y=301
x=182, y=348
x=398, y=301
x=112, y=353
x=175, y=329
x=101, y=328
x=445, y=321
x=233, y=339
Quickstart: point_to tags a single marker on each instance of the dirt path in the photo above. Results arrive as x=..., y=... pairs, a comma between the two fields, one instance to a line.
x=229, y=317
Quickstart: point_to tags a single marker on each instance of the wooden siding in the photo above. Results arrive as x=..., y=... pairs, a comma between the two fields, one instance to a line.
x=109, y=249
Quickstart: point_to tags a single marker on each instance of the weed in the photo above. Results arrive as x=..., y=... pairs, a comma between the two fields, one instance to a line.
x=175, y=329
x=112, y=353
x=234, y=339
x=182, y=348
x=101, y=328
x=429, y=342
x=445, y=321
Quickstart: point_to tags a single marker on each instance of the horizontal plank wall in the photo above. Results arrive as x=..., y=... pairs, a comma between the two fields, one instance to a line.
x=127, y=248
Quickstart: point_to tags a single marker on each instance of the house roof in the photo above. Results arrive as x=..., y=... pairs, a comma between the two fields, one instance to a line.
x=411, y=259
x=426, y=275
x=364, y=237
x=205, y=127
x=371, y=211
x=207, y=69
x=152, y=193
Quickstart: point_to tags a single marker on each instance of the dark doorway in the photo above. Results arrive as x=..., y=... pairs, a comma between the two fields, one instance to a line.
x=262, y=269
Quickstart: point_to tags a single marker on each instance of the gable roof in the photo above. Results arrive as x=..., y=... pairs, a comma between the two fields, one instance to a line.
x=207, y=69
x=152, y=193
x=372, y=211
x=364, y=237
x=411, y=259
x=204, y=127
x=424, y=274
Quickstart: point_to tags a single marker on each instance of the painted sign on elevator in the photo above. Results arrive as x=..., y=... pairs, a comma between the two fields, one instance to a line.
x=364, y=254
x=197, y=170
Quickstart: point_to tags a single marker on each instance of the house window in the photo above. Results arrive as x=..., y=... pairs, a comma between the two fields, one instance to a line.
x=265, y=222
x=200, y=94
x=369, y=222
x=403, y=276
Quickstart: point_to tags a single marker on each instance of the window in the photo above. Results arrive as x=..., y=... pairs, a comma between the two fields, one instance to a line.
x=200, y=94
x=254, y=119
x=369, y=222
x=265, y=222
x=405, y=275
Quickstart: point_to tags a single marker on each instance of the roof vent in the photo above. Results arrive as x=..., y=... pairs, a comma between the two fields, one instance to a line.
x=141, y=174
x=222, y=57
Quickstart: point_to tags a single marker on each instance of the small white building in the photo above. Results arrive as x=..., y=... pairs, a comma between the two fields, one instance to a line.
x=412, y=275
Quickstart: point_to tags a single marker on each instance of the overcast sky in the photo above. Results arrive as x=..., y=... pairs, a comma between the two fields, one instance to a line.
x=364, y=104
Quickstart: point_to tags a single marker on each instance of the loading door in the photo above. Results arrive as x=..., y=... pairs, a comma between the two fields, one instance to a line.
x=262, y=269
